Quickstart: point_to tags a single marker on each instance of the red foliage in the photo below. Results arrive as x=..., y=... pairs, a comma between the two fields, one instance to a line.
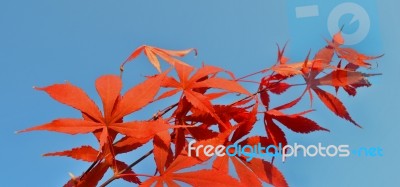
x=196, y=112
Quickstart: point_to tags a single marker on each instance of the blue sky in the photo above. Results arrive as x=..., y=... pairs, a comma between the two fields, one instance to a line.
x=44, y=42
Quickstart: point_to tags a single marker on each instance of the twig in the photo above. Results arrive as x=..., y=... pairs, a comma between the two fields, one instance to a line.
x=116, y=176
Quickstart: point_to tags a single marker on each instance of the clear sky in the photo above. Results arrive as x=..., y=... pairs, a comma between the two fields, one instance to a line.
x=44, y=42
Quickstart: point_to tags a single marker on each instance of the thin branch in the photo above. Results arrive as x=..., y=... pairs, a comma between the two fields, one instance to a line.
x=118, y=175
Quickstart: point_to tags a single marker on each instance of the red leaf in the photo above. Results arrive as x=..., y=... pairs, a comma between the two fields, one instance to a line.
x=138, y=96
x=75, y=97
x=334, y=104
x=127, y=144
x=267, y=172
x=338, y=38
x=246, y=125
x=85, y=153
x=275, y=134
x=140, y=129
x=264, y=96
x=255, y=140
x=161, y=149
x=323, y=58
x=246, y=176
x=127, y=175
x=203, y=72
x=200, y=101
x=221, y=164
x=352, y=56
x=91, y=178
x=341, y=78
x=279, y=87
x=296, y=122
x=290, y=104
x=206, y=178
x=109, y=88
x=221, y=83
x=185, y=161
x=68, y=126
x=183, y=72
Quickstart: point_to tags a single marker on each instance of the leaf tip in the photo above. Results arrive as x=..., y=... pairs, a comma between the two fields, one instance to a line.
x=37, y=88
x=195, y=52
x=324, y=129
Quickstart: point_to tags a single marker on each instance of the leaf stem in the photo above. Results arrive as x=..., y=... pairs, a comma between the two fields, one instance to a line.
x=118, y=175
x=249, y=75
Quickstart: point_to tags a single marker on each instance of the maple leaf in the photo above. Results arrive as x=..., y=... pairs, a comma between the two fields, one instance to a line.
x=295, y=122
x=153, y=52
x=190, y=87
x=85, y=153
x=334, y=104
x=162, y=151
x=106, y=125
x=108, y=88
x=350, y=55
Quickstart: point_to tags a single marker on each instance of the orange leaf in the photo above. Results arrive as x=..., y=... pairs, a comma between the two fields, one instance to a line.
x=323, y=58
x=222, y=83
x=246, y=125
x=184, y=160
x=140, y=129
x=246, y=176
x=91, y=178
x=85, y=153
x=204, y=71
x=109, y=88
x=152, y=58
x=341, y=78
x=221, y=163
x=127, y=144
x=75, y=97
x=267, y=172
x=202, y=103
x=206, y=178
x=178, y=53
x=161, y=149
x=151, y=53
x=138, y=96
x=68, y=126
x=338, y=38
x=354, y=57
x=128, y=175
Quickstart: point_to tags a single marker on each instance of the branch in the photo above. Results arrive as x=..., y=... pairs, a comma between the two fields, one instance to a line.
x=116, y=176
